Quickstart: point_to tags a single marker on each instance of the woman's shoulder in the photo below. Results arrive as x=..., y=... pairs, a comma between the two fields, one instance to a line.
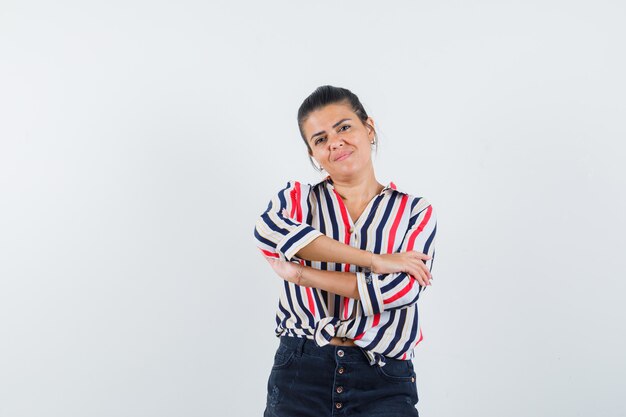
x=416, y=203
x=304, y=185
x=413, y=198
x=297, y=188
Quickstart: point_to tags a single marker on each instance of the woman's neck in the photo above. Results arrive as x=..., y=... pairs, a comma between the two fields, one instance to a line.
x=359, y=190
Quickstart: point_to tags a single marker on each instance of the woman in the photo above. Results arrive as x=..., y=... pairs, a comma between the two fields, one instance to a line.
x=354, y=256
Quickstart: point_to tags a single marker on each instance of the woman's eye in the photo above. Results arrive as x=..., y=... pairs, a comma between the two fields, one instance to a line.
x=346, y=126
x=319, y=139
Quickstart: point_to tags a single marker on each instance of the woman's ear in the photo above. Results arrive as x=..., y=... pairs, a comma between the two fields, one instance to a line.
x=369, y=124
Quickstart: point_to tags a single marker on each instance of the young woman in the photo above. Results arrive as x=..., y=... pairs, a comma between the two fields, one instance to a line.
x=354, y=255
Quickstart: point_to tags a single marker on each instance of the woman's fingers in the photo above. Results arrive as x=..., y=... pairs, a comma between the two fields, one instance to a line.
x=426, y=278
x=411, y=262
x=421, y=255
x=421, y=279
x=422, y=264
x=425, y=269
x=422, y=276
x=417, y=277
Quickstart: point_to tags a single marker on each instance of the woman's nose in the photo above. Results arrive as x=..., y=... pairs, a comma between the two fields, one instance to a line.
x=335, y=141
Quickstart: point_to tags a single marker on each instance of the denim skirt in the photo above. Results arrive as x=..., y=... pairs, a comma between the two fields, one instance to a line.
x=308, y=380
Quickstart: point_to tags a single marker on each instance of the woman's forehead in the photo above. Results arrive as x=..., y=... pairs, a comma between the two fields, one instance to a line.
x=329, y=115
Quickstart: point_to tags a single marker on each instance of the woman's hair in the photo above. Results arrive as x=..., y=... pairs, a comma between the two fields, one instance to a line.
x=328, y=94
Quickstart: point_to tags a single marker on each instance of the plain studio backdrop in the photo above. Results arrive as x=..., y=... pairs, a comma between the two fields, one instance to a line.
x=140, y=141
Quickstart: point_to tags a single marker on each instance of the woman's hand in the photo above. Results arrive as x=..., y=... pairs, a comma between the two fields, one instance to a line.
x=409, y=262
x=289, y=271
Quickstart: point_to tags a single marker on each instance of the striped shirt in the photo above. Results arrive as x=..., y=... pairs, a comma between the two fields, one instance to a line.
x=384, y=321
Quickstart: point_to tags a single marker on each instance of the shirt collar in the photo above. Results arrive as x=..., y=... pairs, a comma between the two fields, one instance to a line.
x=391, y=186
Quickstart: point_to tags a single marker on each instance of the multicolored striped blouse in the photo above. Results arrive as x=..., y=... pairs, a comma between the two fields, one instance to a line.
x=384, y=322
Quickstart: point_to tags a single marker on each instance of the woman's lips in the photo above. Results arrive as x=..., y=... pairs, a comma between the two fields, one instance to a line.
x=341, y=158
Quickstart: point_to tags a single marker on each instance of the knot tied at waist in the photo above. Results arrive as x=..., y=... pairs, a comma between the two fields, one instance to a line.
x=329, y=327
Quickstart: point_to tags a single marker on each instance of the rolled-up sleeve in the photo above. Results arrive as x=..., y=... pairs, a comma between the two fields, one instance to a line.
x=280, y=231
x=381, y=292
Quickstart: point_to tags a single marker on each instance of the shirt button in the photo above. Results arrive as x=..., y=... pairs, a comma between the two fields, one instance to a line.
x=351, y=229
x=340, y=353
x=339, y=390
x=338, y=405
x=341, y=370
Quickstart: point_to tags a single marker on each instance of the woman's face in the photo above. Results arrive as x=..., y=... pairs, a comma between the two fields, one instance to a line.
x=339, y=141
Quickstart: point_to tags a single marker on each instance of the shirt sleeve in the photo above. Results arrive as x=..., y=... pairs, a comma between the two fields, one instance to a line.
x=280, y=231
x=381, y=292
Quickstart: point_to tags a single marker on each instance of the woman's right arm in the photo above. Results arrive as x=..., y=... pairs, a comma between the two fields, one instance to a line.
x=327, y=249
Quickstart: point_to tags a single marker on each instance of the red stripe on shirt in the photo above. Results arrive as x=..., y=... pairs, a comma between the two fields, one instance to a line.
x=402, y=292
x=419, y=229
x=344, y=217
x=296, y=209
x=375, y=321
x=299, y=209
x=310, y=297
x=396, y=222
x=346, y=223
x=270, y=254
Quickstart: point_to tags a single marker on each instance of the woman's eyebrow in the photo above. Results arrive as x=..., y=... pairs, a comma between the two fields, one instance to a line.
x=323, y=131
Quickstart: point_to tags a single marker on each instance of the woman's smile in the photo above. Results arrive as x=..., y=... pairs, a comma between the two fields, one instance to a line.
x=343, y=156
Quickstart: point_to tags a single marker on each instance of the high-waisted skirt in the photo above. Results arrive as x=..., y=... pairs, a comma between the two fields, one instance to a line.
x=308, y=380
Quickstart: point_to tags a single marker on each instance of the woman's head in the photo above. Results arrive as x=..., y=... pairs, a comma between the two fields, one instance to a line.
x=332, y=121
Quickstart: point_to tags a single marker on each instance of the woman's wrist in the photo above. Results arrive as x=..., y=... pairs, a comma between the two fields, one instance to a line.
x=371, y=262
x=299, y=274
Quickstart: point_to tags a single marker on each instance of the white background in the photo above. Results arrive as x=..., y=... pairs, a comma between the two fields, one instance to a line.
x=140, y=140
